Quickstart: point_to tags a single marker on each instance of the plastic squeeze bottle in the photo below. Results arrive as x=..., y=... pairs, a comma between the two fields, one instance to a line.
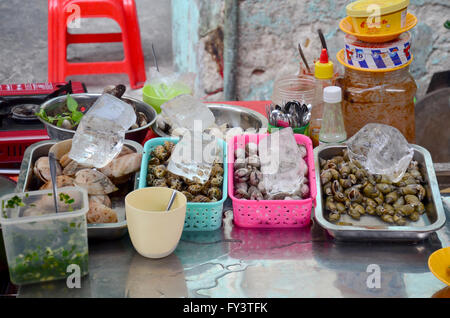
x=323, y=72
x=333, y=129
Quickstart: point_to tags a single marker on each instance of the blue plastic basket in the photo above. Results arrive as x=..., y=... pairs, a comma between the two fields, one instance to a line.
x=199, y=216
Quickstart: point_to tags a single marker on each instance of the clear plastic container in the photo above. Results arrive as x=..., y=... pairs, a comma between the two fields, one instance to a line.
x=379, y=97
x=294, y=88
x=332, y=129
x=40, y=244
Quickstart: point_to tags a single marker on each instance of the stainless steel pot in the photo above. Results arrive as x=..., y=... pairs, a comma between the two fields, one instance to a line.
x=87, y=100
x=234, y=116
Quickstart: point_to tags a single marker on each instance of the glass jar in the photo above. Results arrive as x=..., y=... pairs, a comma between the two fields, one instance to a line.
x=294, y=88
x=379, y=97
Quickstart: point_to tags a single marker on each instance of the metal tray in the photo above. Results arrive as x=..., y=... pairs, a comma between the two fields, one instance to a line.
x=28, y=182
x=372, y=228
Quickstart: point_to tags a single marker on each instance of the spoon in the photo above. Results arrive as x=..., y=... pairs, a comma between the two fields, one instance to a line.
x=322, y=39
x=172, y=198
x=52, y=162
x=303, y=57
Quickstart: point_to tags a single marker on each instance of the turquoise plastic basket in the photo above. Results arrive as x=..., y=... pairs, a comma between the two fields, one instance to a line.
x=199, y=216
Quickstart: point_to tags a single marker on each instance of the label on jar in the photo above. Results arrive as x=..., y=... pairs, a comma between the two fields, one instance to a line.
x=378, y=55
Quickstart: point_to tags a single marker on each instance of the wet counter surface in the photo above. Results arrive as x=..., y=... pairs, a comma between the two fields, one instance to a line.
x=238, y=262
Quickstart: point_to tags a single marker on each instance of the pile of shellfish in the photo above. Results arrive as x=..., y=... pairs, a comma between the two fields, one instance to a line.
x=100, y=184
x=248, y=178
x=159, y=176
x=349, y=189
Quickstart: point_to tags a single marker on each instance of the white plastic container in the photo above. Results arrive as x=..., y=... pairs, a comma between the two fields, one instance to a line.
x=41, y=244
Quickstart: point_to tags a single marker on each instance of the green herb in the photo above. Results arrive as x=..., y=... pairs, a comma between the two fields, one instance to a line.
x=3, y=210
x=13, y=202
x=72, y=104
x=67, y=200
x=45, y=255
x=45, y=264
x=74, y=116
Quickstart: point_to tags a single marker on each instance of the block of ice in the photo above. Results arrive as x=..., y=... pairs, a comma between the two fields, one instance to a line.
x=185, y=111
x=194, y=156
x=101, y=132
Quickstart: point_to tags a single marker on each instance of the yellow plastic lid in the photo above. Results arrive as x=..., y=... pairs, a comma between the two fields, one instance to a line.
x=360, y=8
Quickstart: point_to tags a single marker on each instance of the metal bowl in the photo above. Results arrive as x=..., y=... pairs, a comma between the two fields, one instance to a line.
x=234, y=116
x=87, y=100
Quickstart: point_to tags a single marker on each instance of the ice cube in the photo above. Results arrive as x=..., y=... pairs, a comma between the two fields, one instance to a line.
x=185, y=111
x=101, y=132
x=194, y=156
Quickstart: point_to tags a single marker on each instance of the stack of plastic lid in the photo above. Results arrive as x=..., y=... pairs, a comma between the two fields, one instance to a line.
x=377, y=37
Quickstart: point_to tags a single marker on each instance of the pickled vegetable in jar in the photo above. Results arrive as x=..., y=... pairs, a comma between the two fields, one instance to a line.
x=379, y=97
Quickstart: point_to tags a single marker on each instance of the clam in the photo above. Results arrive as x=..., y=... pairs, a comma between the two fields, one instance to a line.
x=42, y=169
x=94, y=182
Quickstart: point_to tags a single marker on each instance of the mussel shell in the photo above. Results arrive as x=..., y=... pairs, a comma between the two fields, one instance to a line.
x=330, y=206
x=412, y=200
x=339, y=196
x=327, y=189
x=334, y=216
x=399, y=220
x=385, y=188
x=387, y=218
x=415, y=216
x=371, y=191
x=340, y=207
x=370, y=210
x=420, y=208
x=354, y=195
x=392, y=197
x=405, y=210
x=345, y=183
x=336, y=187
x=345, y=171
x=389, y=209
x=379, y=199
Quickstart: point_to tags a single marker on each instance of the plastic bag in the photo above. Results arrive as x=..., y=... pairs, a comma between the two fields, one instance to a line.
x=282, y=165
x=381, y=149
x=169, y=84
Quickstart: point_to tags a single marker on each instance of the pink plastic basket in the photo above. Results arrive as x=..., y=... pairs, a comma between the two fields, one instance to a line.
x=271, y=214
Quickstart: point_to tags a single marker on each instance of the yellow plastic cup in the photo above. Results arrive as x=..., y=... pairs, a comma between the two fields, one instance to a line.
x=154, y=232
x=439, y=264
x=378, y=16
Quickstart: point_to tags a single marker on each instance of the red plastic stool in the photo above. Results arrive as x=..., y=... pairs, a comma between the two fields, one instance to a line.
x=122, y=11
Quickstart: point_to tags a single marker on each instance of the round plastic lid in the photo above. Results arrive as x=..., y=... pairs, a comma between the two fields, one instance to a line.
x=360, y=8
x=332, y=94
